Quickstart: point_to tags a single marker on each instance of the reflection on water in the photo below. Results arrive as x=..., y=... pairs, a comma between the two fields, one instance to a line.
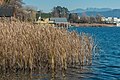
x=71, y=74
x=105, y=66
x=10, y=76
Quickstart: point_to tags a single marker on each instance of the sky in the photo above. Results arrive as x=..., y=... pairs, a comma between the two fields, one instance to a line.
x=47, y=5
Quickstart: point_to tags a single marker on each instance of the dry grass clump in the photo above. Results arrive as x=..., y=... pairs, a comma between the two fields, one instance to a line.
x=24, y=46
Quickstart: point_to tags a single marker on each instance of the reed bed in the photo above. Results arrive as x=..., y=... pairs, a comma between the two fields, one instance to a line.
x=24, y=46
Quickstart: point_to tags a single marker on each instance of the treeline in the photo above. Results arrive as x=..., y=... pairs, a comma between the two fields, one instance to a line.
x=72, y=17
x=56, y=12
x=30, y=13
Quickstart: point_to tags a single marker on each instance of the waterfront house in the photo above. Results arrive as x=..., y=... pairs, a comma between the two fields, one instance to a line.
x=57, y=22
x=116, y=20
x=118, y=24
x=111, y=20
x=44, y=21
x=60, y=22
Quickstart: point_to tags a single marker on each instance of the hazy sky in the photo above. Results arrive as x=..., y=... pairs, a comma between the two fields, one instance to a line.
x=47, y=5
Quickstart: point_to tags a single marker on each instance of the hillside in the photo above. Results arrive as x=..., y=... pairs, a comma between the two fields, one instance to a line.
x=104, y=12
x=80, y=10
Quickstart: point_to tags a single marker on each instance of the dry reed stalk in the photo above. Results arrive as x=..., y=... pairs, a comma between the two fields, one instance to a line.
x=24, y=46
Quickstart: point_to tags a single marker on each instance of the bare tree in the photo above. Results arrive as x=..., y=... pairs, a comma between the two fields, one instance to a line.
x=4, y=2
x=12, y=3
x=60, y=12
x=84, y=18
x=73, y=17
x=98, y=18
x=92, y=19
x=32, y=11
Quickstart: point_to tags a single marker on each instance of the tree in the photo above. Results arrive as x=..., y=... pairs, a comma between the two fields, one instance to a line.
x=84, y=18
x=16, y=3
x=64, y=12
x=60, y=12
x=98, y=18
x=32, y=11
x=4, y=2
x=92, y=19
x=12, y=3
x=73, y=17
x=55, y=12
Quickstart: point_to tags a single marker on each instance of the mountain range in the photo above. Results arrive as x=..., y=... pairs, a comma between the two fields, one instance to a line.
x=106, y=12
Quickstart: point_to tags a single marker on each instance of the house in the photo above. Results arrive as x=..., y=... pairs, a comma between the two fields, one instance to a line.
x=57, y=22
x=118, y=20
x=44, y=21
x=60, y=22
x=112, y=20
x=7, y=12
x=13, y=13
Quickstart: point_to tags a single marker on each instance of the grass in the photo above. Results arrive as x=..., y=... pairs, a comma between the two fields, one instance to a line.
x=24, y=46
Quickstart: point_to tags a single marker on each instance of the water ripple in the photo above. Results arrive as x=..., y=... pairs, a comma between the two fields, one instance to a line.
x=107, y=64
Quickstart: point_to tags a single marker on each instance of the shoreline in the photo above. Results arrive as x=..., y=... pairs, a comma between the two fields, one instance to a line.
x=91, y=25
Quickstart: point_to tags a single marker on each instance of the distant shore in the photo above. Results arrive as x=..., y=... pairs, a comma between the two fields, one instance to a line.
x=91, y=25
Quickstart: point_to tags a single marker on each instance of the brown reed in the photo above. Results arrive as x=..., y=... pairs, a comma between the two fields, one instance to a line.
x=24, y=46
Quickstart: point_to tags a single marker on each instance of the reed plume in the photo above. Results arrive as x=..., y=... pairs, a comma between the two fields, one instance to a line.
x=24, y=46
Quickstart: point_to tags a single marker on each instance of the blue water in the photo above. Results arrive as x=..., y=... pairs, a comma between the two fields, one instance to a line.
x=106, y=63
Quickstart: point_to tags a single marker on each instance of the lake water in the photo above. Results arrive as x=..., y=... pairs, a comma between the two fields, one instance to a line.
x=105, y=65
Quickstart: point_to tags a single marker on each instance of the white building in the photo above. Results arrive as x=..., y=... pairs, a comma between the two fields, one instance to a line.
x=110, y=20
x=113, y=20
x=103, y=19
